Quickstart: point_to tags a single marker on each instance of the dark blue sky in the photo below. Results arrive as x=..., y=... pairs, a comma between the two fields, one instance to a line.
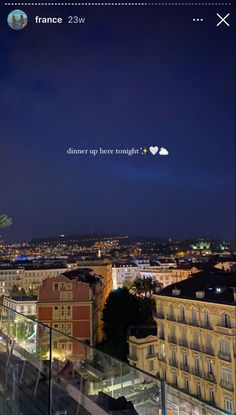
x=135, y=76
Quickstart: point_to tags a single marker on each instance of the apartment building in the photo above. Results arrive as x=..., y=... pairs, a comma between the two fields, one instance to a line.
x=102, y=268
x=167, y=276
x=143, y=349
x=72, y=303
x=28, y=276
x=196, y=323
x=8, y=278
x=24, y=304
x=124, y=271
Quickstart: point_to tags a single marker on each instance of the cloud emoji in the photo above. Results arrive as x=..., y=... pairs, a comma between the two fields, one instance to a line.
x=163, y=152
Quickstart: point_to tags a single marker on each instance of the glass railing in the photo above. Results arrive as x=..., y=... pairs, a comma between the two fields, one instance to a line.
x=46, y=372
x=43, y=371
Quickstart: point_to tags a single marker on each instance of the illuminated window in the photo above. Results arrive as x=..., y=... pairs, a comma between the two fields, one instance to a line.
x=66, y=295
x=229, y=406
x=56, y=286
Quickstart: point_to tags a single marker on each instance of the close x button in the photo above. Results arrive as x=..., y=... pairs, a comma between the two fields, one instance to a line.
x=223, y=19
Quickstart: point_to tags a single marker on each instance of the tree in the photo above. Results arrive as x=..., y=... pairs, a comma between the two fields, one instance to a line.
x=145, y=286
x=16, y=290
x=5, y=221
x=123, y=310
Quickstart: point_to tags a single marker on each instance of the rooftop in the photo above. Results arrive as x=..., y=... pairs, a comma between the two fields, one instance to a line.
x=218, y=287
x=82, y=274
x=141, y=332
x=22, y=297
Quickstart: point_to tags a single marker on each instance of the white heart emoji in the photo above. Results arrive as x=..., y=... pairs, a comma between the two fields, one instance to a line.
x=153, y=150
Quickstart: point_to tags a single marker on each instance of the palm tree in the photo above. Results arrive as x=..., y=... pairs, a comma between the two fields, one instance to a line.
x=145, y=286
x=5, y=221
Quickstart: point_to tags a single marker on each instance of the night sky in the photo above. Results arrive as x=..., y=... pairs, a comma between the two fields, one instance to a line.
x=134, y=76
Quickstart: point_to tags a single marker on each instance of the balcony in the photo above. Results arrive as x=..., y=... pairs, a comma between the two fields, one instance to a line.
x=208, y=350
x=183, y=342
x=151, y=355
x=182, y=320
x=132, y=357
x=224, y=356
x=226, y=330
x=194, y=323
x=172, y=339
x=173, y=362
x=227, y=385
x=210, y=377
x=185, y=367
x=159, y=315
x=170, y=317
x=161, y=358
x=206, y=325
x=197, y=372
x=161, y=336
x=196, y=347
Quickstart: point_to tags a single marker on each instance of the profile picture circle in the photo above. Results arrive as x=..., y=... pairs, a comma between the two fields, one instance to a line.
x=17, y=19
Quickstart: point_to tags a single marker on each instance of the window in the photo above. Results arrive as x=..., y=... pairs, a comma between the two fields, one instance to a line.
x=185, y=358
x=206, y=318
x=226, y=320
x=175, y=379
x=150, y=349
x=161, y=331
x=186, y=383
x=171, y=311
x=226, y=376
x=173, y=355
x=197, y=363
x=212, y=396
x=210, y=367
x=173, y=332
x=69, y=286
x=62, y=313
x=56, y=286
x=194, y=316
x=182, y=314
x=224, y=347
x=161, y=309
x=151, y=365
x=68, y=312
x=198, y=390
x=66, y=295
x=196, y=338
x=229, y=406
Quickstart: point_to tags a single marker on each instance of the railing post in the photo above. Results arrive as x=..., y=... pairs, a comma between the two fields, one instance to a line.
x=163, y=398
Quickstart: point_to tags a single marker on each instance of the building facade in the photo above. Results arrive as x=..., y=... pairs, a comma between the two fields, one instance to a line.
x=72, y=304
x=143, y=348
x=124, y=272
x=24, y=304
x=196, y=323
x=102, y=268
x=167, y=276
x=29, y=278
